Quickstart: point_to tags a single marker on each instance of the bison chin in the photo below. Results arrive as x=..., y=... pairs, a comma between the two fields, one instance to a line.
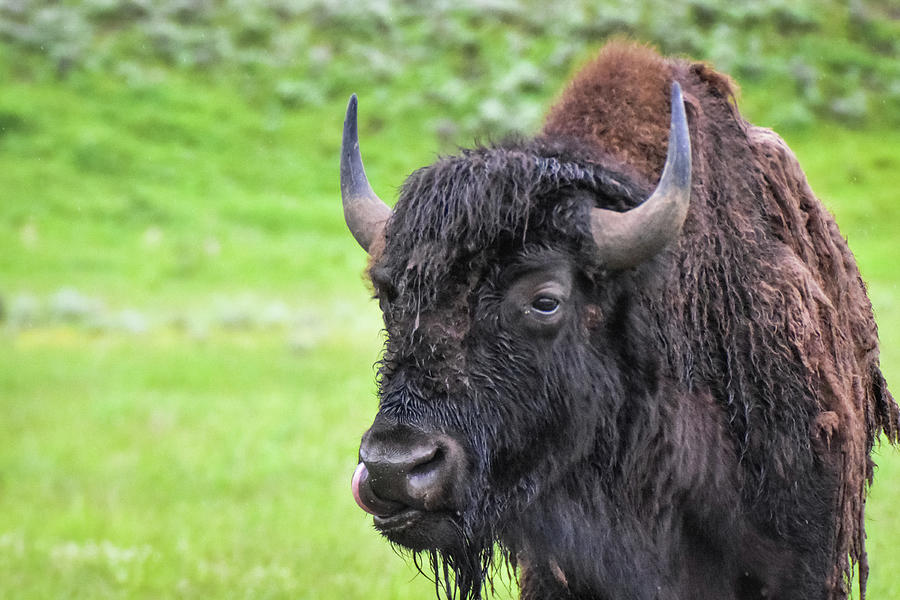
x=442, y=551
x=459, y=564
x=445, y=546
x=419, y=530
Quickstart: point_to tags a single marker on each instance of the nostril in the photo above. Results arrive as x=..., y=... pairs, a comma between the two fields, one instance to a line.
x=428, y=463
x=429, y=483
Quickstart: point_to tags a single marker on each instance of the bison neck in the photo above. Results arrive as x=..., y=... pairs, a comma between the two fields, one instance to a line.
x=663, y=520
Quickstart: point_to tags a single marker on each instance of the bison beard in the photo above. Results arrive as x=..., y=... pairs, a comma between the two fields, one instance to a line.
x=694, y=425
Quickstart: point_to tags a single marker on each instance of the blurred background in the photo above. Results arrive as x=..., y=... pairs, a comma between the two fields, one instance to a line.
x=186, y=341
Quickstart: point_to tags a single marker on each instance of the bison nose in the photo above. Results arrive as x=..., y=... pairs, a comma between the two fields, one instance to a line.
x=402, y=468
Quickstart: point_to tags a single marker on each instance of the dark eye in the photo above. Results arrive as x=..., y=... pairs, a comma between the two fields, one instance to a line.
x=545, y=305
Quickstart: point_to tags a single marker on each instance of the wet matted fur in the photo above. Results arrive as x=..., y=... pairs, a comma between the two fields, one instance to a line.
x=703, y=429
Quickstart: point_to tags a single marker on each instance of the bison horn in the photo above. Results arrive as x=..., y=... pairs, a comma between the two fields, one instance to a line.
x=364, y=212
x=626, y=239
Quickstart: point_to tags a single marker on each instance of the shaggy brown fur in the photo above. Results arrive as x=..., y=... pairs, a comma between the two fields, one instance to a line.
x=696, y=426
x=805, y=282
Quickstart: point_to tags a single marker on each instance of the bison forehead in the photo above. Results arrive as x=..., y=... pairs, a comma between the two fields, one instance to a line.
x=486, y=192
x=464, y=214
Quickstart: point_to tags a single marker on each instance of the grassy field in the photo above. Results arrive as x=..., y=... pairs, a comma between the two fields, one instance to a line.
x=187, y=342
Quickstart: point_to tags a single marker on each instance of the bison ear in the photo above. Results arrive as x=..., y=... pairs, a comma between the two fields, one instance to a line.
x=364, y=212
x=626, y=239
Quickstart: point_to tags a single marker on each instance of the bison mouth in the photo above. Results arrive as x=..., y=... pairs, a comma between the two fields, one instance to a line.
x=420, y=530
x=414, y=528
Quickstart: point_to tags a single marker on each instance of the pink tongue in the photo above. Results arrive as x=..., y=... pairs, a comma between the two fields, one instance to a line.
x=358, y=475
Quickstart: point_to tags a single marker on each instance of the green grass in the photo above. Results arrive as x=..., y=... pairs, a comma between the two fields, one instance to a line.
x=152, y=467
x=208, y=452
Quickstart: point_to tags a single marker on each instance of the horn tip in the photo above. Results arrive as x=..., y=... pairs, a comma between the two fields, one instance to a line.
x=680, y=139
x=351, y=106
x=677, y=99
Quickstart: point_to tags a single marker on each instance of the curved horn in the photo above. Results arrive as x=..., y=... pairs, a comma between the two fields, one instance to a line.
x=364, y=212
x=626, y=239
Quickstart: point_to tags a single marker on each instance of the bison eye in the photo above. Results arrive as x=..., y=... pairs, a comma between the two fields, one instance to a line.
x=545, y=305
x=537, y=301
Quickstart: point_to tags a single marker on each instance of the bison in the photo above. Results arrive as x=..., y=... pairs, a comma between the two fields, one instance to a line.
x=621, y=384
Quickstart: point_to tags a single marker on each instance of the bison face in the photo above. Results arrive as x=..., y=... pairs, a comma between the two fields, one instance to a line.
x=500, y=369
x=485, y=398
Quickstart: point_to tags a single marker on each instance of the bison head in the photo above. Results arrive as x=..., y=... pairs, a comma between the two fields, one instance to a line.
x=509, y=346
